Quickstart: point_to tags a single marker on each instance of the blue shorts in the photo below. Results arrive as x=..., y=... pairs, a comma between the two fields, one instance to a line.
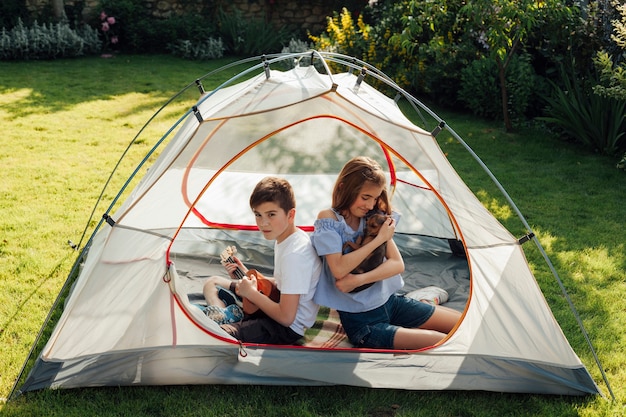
x=377, y=328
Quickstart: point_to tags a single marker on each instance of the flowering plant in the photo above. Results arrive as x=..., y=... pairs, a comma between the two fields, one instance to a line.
x=108, y=27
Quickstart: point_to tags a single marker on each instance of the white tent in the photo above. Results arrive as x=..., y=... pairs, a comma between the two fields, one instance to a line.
x=129, y=318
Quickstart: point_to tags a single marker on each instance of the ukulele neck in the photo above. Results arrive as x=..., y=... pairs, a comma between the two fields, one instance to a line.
x=238, y=273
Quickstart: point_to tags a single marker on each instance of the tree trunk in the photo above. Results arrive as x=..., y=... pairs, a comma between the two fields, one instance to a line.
x=505, y=95
x=58, y=9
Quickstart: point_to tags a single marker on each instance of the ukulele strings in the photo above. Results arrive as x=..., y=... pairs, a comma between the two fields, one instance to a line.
x=238, y=272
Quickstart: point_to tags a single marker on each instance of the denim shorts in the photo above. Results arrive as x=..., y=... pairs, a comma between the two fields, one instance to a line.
x=376, y=328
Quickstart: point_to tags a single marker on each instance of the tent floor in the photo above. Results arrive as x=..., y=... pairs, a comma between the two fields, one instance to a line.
x=432, y=265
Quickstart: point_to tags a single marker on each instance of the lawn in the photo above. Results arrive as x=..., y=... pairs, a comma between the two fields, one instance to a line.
x=64, y=126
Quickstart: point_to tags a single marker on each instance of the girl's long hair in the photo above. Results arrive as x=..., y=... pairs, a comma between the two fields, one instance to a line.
x=353, y=175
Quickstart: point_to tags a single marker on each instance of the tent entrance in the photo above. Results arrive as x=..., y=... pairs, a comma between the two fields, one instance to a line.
x=196, y=256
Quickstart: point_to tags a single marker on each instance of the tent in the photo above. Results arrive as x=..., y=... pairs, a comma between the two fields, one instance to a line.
x=128, y=317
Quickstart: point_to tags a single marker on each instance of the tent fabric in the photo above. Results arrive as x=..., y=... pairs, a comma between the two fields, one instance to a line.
x=129, y=319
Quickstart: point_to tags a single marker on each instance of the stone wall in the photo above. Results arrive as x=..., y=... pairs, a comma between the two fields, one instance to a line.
x=308, y=15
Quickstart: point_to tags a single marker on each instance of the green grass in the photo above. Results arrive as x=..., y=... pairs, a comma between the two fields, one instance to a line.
x=64, y=126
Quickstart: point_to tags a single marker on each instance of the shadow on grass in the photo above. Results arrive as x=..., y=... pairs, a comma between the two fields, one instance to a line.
x=52, y=86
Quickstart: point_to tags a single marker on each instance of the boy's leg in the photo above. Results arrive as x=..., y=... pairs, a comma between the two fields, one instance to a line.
x=210, y=290
x=261, y=330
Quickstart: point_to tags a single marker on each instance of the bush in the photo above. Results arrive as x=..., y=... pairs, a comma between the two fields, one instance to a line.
x=250, y=37
x=344, y=36
x=150, y=35
x=593, y=120
x=480, y=89
x=198, y=50
x=47, y=41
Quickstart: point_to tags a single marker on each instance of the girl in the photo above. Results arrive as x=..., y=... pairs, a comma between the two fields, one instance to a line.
x=375, y=317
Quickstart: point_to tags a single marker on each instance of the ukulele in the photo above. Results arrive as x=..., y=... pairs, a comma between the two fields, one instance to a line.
x=264, y=285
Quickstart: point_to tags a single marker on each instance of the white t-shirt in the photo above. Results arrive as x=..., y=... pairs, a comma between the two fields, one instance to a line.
x=297, y=270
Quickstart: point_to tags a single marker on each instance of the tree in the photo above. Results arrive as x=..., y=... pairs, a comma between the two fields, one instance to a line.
x=501, y=27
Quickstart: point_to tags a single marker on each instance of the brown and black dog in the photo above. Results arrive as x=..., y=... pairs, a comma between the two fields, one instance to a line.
x=376, y=257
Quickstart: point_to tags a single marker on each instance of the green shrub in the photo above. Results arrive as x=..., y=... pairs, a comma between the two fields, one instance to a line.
x=151, y=35
x=593, y=120
x=194, y=34
x=250, y=37
x=480, y=88
x=47, y=41
x=198, y=50
x=131, y=17
x=344, y=36
x=612, y=77
x=140, y=32
x=296, y=45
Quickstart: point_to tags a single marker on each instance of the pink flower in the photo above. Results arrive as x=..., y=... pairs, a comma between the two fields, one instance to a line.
x=108, y=30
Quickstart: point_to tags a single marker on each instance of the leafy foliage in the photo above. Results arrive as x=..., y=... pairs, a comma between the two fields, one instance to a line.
x=47, y=41
x=480, y=89
x=200, y=50
x=595, y=121
x=501, y=28
x=250, y=37
x=613, y=70
x=431, y=38
x=343, y=35
x=612, y=77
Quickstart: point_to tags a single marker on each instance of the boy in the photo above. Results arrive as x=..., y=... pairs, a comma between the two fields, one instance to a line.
x=296, y=271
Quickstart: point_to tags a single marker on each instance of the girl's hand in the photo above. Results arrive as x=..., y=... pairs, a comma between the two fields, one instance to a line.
x=387, y=230
x=348, y=283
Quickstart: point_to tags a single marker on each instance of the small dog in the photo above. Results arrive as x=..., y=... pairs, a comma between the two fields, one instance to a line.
x=376, y=257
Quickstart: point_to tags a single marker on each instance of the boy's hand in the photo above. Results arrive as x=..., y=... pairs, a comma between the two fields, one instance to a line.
x=231, y=267
x=247, y=286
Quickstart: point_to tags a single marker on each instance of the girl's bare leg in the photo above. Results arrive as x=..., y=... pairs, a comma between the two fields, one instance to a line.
x=430, y=333
x=416, y=338
x=443, y=320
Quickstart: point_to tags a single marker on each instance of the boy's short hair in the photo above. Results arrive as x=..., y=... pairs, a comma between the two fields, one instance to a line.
x=273, y=190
